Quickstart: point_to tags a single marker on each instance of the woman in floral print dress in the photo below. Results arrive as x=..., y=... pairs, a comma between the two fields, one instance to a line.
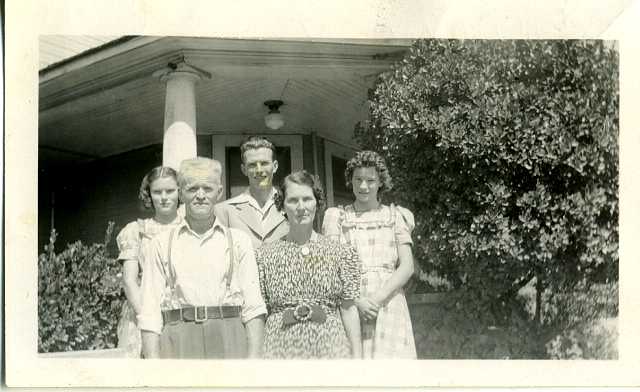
x=382, y=236
x=159, y=193
x=308, y=282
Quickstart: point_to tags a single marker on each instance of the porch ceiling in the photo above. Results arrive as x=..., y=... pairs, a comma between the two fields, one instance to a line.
x=108, y=102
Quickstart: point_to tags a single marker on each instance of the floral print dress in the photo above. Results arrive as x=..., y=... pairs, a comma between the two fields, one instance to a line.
x=321, y=272
x=132, y=240
x=376, y=235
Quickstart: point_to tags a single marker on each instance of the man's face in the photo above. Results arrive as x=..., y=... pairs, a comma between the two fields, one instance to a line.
x=259, y=167
x=199, y=193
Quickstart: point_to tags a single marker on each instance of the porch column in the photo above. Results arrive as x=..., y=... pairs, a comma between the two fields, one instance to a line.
x=179, y=140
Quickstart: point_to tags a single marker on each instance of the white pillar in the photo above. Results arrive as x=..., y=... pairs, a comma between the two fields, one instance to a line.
x=179, y=141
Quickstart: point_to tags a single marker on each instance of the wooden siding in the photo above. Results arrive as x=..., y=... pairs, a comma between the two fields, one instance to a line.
x=90, y=195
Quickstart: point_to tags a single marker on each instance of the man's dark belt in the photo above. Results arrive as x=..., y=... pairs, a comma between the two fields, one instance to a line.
x=200, y=314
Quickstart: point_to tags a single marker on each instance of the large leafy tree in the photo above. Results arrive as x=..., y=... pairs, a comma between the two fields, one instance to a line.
x=507, y=152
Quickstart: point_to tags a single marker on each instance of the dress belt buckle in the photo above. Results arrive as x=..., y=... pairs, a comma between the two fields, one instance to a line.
x=302, y=312
x=196, y=310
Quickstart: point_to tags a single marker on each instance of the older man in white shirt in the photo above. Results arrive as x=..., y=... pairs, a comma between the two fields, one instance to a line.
x=200, y=290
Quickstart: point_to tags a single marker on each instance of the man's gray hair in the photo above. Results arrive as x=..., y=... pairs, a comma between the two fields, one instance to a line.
x=198, y=167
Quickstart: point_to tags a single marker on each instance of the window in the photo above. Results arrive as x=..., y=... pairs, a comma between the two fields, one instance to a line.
x=342, y=195
x=335, y=158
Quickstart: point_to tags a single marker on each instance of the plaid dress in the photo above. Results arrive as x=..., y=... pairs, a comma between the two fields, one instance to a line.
x=376, y=235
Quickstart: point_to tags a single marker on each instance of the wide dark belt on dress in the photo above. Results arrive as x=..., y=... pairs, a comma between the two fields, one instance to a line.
x=302, y=311
x=200, y=314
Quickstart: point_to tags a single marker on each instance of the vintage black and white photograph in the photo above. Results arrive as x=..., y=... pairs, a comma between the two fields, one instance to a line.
x=410, y=199
x=217, y=197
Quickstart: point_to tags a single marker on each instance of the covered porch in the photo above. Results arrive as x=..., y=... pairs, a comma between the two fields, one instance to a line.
x=110, y=113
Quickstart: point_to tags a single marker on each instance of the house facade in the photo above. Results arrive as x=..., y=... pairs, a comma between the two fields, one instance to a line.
x=110, y=113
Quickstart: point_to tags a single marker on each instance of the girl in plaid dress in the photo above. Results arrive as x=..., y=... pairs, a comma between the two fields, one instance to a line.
x=382, y=236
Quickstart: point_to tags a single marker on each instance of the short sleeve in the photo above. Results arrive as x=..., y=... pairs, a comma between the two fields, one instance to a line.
x=128, y=241
x=331, y=224
x=249, y=280
x=404, y=225
x=350, y=272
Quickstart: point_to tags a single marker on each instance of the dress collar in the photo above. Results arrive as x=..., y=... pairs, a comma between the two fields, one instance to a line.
x=314, y=238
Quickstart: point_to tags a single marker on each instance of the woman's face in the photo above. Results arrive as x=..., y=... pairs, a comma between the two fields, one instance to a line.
x=299, y=204
x=366, y=183
x=164, y=196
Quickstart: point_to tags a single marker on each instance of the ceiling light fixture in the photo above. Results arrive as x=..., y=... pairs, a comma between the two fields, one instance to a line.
x=274, y=119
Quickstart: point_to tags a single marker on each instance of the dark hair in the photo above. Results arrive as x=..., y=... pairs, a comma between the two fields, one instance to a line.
x=369, y=159
x=301, y=177
x=145, y=187
x=256, y=142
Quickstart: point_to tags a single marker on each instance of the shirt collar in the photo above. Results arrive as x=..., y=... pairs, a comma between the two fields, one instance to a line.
x=246, y=197
x=184, y=225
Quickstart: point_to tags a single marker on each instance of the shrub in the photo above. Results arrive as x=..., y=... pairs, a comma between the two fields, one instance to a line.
x=454, y=329
x=582, y=324
x=593, y=340
x=79, y=297
x=507, y=153
x=577, y=325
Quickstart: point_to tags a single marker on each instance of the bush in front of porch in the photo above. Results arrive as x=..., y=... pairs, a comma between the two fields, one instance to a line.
x=79, y=297
x=507, y=153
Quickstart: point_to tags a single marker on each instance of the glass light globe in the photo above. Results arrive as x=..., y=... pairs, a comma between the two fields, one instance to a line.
x=274, y=120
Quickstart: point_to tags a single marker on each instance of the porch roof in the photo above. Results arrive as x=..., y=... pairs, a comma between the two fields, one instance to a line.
x=106, y=100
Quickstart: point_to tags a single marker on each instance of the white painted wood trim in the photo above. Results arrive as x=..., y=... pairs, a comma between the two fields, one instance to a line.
x=83, y=60
x=221, y=142
x=340, y=151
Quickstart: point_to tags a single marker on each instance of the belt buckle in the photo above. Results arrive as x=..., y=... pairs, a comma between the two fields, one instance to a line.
x=300, y=315
x=195, y=314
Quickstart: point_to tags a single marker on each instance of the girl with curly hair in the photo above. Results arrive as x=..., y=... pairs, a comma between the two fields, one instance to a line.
x=382, y=236
x=159, y=194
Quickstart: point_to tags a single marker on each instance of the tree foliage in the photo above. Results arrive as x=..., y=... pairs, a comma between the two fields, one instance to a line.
x=507, y=153
x=79, y=297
